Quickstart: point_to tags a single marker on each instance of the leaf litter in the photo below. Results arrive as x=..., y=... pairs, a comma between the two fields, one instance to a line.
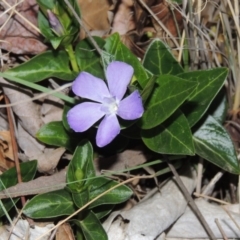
x=133, y=22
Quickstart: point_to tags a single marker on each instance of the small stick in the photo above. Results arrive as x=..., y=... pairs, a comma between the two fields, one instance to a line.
x=14, y=147
x=190, y=201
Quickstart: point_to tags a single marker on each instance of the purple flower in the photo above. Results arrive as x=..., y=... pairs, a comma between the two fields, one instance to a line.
x=108, y=102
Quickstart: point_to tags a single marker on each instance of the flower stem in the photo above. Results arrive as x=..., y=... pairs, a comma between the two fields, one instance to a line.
x=72, y=58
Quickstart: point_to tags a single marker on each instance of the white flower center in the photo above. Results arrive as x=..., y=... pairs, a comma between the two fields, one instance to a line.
x=110, y=105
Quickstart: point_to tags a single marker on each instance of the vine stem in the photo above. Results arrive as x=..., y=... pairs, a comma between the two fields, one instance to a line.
x=72, y=58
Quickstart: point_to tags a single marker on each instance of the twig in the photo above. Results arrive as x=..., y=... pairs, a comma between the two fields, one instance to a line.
x=190, y=200
x=159, y=22
x=221, y=229
x=14, y=147
x=99, y=50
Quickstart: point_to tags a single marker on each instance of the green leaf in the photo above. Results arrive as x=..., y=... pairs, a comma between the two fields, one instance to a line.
x=80, y=198
x=159, y=60
x=115, y=47
x=170, y=93
x=218, y=108
x=209, y=83
x=88, y=58
x=148, y=89
x=103, y=210
x=213, y=143
x=9, y=178
x=49, y=205
x=44, y=65
x=171, y=137
x=92, y=227
x=81, y=167
x=55, y=134
x=102, y=184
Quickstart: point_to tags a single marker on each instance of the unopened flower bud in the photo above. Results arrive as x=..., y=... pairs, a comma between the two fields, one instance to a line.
x=55, y=23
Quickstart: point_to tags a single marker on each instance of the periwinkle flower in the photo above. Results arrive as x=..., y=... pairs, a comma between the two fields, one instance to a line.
x=108, y=102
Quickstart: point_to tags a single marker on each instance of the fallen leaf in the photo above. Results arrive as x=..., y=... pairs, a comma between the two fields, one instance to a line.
x=64, y=232
x=17, y=35
x=150, y=217
x=27, y=112
x=189, y=227
x=95, y=15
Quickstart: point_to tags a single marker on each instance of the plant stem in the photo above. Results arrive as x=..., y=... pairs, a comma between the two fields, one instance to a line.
x=72, y=58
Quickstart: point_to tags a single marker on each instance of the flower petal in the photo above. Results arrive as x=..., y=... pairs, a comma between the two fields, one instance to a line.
x=84, y=115
x=131, y=107
x=108, y=129
x=88, y=86
x=118, y=75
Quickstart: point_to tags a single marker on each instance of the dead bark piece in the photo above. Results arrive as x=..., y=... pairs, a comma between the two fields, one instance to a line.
x=17, y=35
x=37, y=186
x=189, y=227
x=27, y=112
x=152, y=216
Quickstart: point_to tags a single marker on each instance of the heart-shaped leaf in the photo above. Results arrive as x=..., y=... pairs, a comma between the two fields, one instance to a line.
x=213, y=143
x=167, y=97
x=159, y=60
x=171, y=137
x=209, y=83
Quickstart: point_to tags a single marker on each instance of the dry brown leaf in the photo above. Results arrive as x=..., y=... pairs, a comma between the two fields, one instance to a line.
x=6, y=151
x=64, y=232
x=27, y=112
x=52, y=109
x=121, y=161
x=95, y=14
x=123, y=21
x=16, y=34
x=165, y=15
x=37, y=186
x=48, y=158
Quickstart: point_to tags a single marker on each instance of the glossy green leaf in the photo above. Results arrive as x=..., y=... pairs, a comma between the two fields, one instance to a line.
x=81, y=167
x=50, y=205
x=218, y=108
x=9, y=178
x=44, y=65
x=171, y=137
x=213, y=143
x=80, y=198
x=159, y=60
x=92, y=227
x=55, y=134
x=88, y=58
x=103, y=210
x=167, y=97
x=209, y=83
x=148, y=89
x=115, y=47
x=117, y=195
